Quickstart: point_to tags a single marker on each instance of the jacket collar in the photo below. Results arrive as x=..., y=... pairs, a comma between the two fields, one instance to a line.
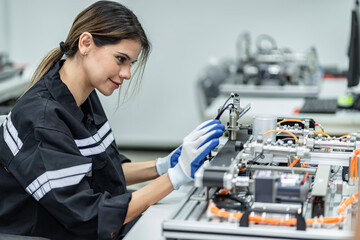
x=60, y=92
x=93, y=109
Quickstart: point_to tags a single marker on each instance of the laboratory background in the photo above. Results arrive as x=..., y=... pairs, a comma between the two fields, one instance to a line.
x=281, y=75
x=186, y=36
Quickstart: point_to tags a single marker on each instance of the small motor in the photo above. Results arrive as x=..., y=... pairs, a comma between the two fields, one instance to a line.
x=276, y=187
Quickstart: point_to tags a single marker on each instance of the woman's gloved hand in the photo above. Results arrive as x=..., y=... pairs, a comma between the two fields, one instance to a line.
x=199, y=143
x=163, y=164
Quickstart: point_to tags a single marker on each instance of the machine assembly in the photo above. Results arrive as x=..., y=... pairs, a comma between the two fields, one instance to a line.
x=277, y=178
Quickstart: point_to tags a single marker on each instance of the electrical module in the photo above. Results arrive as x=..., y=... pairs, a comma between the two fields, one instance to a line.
x=277, y=178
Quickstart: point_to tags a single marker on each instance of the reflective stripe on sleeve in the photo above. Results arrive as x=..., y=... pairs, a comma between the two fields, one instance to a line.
x=95, y=138
x=57, y=179
x=98, y=149
x=95, y=145
x=11, y=136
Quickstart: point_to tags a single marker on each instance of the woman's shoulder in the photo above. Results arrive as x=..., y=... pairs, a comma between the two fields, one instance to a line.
x=34, y=107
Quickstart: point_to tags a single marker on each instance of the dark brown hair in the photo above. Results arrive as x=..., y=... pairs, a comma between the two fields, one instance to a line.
x=109, y=23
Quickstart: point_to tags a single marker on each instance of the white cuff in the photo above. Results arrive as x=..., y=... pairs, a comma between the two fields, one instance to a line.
x=178, y=177
x=162, y=165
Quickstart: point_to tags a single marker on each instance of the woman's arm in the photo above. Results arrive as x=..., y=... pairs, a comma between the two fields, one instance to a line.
x=148, y=195
x=195, y=147
x=139, y=172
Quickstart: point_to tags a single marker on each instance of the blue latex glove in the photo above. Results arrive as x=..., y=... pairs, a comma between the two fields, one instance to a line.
x=163, y=164
x=199, y=143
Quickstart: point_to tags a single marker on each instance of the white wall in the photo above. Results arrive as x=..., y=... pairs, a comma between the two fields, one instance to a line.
x=184, y=35
x=4, y=31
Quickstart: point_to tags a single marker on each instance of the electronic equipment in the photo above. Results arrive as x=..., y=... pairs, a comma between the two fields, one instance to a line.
x=269, y=72
x=276, y=178
x=351, y=100
x=272, y=71
x=6, y=67
x=315, y=105
x=271, y=65
x=8, y=72
x=354, y=48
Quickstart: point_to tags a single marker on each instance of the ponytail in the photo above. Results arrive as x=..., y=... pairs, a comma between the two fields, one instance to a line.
x=46, y=64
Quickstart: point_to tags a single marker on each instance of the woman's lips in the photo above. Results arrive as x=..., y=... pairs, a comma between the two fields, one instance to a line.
x=115, y=83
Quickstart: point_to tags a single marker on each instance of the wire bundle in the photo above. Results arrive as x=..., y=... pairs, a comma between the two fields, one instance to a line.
x=286, y=222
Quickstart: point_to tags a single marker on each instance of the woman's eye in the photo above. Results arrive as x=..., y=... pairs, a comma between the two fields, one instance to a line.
x=121, y=59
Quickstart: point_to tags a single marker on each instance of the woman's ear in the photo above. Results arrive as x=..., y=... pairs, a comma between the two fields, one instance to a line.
x=85, y=43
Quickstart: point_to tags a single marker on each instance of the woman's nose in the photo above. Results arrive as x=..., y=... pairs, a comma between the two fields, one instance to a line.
x=125, y=73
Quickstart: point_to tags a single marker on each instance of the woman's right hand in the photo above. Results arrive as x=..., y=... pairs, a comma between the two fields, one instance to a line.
x=195, y=147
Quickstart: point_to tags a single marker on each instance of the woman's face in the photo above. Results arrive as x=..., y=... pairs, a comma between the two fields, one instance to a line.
x=106, y=67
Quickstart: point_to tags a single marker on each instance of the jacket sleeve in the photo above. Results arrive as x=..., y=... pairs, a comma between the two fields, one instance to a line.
x=52, y=170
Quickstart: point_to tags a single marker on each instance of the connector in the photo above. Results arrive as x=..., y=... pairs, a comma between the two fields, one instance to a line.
x=350, y=188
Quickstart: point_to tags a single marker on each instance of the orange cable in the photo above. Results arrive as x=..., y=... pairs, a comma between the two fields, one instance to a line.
x=242, y=168
x=294, y=162
x=224, y=191
x=357, y=151
x=355, y=166
x=344, y=204
x=290, y=120
x=287, y=222
x=352, y=167
x=284, y=131
x=343, y=136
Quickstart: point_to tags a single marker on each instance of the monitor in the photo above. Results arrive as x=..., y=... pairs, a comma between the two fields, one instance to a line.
x=353, y=52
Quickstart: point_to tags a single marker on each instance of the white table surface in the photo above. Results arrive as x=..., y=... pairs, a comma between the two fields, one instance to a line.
x=149, y=225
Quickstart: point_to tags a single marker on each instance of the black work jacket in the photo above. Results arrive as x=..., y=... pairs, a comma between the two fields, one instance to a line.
x=60, y=174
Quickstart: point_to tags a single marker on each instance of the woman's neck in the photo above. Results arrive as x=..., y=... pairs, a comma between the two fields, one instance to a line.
x=74, y=77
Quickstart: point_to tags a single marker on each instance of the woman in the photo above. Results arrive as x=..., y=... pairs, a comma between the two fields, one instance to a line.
x=62, y=176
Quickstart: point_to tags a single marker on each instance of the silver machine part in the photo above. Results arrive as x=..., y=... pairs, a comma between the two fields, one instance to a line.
x=330, y=143
x=276, y=168
x=262, y=124
x=313, y=191
x=233, y=125
x=260, y=147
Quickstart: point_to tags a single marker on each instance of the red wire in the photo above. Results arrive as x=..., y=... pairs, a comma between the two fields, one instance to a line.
x=305, y=177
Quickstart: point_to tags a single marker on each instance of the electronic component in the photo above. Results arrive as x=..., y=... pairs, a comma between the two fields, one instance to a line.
x=319, y=190
x=265, y=186
x=279, y=178
x=314, y=105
